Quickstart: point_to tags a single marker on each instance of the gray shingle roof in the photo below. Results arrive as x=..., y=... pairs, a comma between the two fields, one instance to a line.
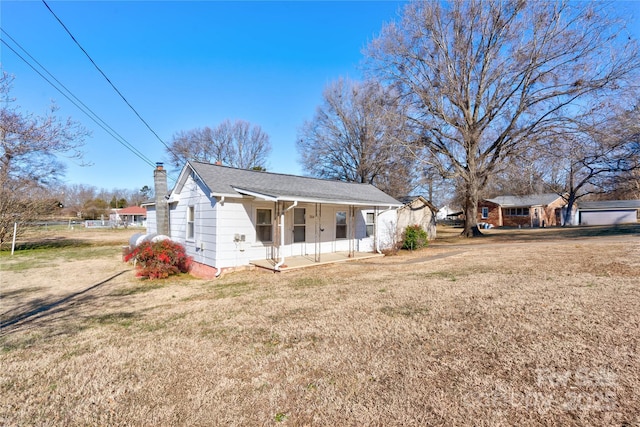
x=227, y=181
x=609, y=204
x=528, y=200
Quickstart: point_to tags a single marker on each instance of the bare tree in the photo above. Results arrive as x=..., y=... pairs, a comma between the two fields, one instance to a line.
x=525, y=173
x=596, y=154
x=357, y=135
x=28, y=163
x=75, y=197
x=137, y=197
x=625, y=186
x=485, y=78
x=238, y=144
x=86, y=201
x=250, y=147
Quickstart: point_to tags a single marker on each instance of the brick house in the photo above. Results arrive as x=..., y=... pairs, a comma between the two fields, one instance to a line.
x=534, y=210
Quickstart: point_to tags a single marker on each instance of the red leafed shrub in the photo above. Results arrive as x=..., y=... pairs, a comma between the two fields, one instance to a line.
x=161, y=259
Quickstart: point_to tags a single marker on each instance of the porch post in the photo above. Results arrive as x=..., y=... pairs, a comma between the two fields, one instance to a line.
x=352, y=231
x=375, y=230
x=275, y=245
x=318, y=232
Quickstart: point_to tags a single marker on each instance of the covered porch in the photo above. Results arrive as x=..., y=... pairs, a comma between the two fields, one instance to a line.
x=297, y=262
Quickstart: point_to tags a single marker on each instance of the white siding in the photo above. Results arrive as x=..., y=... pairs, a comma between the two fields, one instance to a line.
x=237, y=219
x=385, y=229
x=202, y=247
x=388, y=228
x=152, y=226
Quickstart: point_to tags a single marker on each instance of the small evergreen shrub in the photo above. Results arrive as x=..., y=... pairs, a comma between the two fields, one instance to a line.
x=158, y=260
x=414, y=237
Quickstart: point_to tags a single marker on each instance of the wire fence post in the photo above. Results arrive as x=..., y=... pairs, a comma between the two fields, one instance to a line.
x=13, y=243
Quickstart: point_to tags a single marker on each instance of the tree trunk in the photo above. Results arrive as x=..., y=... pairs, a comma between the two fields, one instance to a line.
x=471, y=209
x=571, y=199
x=568, y=214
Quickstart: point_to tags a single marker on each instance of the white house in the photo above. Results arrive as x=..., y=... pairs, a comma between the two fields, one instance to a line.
x=132, y=216
x=228, y=218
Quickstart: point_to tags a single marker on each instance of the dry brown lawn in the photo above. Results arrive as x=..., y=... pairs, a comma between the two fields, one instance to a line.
x=508, y=330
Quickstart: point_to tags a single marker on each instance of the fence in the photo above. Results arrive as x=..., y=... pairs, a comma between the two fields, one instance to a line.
x=98, y=224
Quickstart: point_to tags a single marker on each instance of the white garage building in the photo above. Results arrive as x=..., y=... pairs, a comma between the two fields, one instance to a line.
x=609, y=212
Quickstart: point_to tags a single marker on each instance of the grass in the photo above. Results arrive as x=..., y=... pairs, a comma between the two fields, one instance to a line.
x=123, y=319
x=452, y=234
x=232, y=289
x=43, y=257
x=516, y=333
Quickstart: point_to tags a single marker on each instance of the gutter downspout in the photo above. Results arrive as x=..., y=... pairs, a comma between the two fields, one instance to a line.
x=279, y=264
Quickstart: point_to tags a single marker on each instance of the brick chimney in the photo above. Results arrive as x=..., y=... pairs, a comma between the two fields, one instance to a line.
x=162, y=207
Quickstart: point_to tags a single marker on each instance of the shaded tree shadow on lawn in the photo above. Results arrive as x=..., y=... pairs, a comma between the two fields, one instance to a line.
x=576, y=232
x=508, y=234
x=39, y=308
x=46, y=243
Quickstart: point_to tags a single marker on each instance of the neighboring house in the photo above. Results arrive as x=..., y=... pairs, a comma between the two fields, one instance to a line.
x=417, y=211
x=229, y=218
x=535, y=210
x=609, y=212
x=450, y=216
x=447, y=212
x=132, y=216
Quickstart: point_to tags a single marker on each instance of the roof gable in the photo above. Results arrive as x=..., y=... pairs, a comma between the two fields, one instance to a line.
x=412, y=201
x=224, y=181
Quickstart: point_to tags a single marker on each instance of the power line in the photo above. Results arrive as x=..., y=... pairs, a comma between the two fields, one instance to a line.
x=107, y=78
x=75, y=101
x=95, y=117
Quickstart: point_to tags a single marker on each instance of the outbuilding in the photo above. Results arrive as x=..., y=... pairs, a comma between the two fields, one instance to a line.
x=417, y=210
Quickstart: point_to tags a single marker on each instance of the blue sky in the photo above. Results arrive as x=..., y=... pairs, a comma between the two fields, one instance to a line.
x=189, y=64
x=184, y=65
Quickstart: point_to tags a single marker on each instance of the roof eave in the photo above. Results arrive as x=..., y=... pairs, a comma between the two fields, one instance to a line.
x=288, y=198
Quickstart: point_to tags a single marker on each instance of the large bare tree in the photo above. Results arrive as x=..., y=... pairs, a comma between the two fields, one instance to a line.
x=358, y=135
x=29, y=146
x=238, y=144
x=595, y=155
x=485, y=78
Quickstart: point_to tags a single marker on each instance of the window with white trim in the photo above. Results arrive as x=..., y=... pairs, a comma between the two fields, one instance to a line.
x=485, y=212
x=369, y=221
x=299, y=225
x=191, y=215
x=341, y=225
x=264, y=225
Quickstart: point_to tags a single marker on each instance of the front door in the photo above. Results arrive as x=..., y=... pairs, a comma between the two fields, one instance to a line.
x=299, y=232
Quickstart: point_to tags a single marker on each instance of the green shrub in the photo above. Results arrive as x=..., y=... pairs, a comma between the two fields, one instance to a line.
x=158, y=260
x=414, y=237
